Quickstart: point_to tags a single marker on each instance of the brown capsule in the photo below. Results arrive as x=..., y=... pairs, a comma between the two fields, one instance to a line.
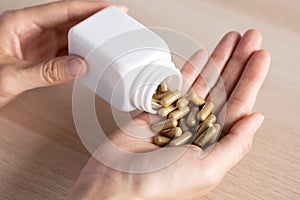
x=164, y=132
x=182, y=140
x=201, y=129
x=161, y=140
x=170, y=98
x=217, y=135
x=211, y=118
x=163, y=87
x=160, y=95
x=181, y=103
x=206, y=137
x=183, y=126
x=155, y=104
x=208, y=122
x=160, y=126
x=178, y=114
x=205, y=111
x=191, y=120
x=196, y=99
x=174, y=132
x=163, y=112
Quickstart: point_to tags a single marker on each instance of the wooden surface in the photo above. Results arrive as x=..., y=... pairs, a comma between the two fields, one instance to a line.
x=41, y=154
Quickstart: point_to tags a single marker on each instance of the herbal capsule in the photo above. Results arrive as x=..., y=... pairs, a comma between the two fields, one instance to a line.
x=191, y=120
x=181, y=103
x=169, y=123
x=163, y=87
x=208, y=122
x=161, y=140
x=174, y=132
x=163, y=112
x=155, y=104
x=183, y=126
x=202, y=128
x=182, y=140
x=212, y=118
x=206, y=137
x=217, y=135
x=170, y=98
x=205, y=111
x=196, y=99
x=160, y=95
x=178, y=114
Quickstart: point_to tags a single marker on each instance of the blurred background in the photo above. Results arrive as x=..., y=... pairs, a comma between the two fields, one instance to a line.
x=270, y=171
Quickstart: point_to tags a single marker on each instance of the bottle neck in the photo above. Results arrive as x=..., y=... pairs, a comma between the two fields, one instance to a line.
x=148, y=81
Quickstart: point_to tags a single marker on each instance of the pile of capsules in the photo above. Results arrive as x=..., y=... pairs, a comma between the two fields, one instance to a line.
x=189, y=119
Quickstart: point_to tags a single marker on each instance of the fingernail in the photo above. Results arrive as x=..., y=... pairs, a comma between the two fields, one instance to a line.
x=259, y=122
x=123, y=8
x=76, y=67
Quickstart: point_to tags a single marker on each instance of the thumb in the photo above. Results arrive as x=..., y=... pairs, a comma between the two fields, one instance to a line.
x=58, y=70
x=234, y=146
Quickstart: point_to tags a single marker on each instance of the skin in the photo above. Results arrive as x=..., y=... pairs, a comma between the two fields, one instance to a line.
x=33, y=54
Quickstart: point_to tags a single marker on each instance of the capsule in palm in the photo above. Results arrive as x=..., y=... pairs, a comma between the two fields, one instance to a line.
x=182, y=103
x=161, y=140
x=183, y=125
x=192, y=120
x=196, y=99
x=206, y=137
x=160, y=126
x=170, y=98
x=178, y=114
x=208, y=122
x=173, y=132
x=182, y=140
x=205, y=111
x=217, y=135
x=163, y=112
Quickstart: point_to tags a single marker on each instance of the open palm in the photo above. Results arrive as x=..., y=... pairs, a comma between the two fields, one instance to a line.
x=184, y=172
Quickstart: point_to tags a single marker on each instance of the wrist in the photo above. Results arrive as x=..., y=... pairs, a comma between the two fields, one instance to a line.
x=105, y=187
x=101, y=194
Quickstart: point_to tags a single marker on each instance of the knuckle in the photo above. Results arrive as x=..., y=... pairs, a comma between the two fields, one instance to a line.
x=200, y=84
x=50, y=73
x=239, y=59
x=235, y=100
x=8, y=15
x=245, y=143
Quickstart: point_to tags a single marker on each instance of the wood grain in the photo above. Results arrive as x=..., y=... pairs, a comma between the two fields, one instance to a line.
x=41, y=154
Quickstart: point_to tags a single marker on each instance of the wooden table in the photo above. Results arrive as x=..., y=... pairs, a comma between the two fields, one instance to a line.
x=41, y=154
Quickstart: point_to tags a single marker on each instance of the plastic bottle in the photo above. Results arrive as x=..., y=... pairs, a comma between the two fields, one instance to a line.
x=126, y=60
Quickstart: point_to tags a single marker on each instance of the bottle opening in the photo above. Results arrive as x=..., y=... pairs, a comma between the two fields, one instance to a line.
x=148, y=82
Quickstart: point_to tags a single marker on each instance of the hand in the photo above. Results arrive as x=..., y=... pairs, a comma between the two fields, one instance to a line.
x=243, y=68
x=31, y=39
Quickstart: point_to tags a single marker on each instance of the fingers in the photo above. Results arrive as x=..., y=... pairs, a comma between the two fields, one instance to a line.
x=210, y=74
x=234, y=146
x=192, y=68
x=250, y=43
x=55, y=71
x=52, y=14
x=242, y=99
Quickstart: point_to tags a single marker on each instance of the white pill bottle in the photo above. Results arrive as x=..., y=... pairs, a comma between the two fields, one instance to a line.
x=126, y=60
